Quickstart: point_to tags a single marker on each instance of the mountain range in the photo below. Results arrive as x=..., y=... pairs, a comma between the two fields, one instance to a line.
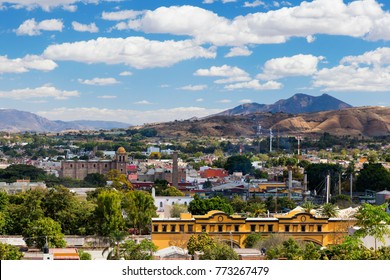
x=17, y=121
x=297, y=104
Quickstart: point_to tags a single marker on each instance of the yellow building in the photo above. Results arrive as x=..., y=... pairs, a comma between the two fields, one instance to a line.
x=234, y=229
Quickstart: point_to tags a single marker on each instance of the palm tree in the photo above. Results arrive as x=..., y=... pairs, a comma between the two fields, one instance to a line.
x=113, y=248
x=329, y=210
x=308, y=206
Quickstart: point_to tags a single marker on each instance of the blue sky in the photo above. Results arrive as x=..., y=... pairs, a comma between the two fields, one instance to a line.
x=151, y=61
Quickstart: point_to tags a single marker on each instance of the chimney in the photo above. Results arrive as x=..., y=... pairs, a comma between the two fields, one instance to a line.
x=175, y=170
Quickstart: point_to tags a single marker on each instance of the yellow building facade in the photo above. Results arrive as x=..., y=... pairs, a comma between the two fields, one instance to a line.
x=234, y=229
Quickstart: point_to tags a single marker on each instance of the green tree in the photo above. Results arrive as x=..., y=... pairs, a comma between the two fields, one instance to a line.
x=238, y=204
x=200, y=206
x=43, y=230
x=171, y=191
x=84, y=256
x=219, y=251
x=316, y=174
x=108, y=213
x=238, y=163
x=328, y=210
x=256, y=209
x=252, y=240
x=373, y=176
x=308, y=206
x=177, y=209
x=95, y=180
x=9, y=252
x=114, y=241
x=199, y=243
x=139, y=208
x=374, y=221
x=119, y=180
x=138, y=251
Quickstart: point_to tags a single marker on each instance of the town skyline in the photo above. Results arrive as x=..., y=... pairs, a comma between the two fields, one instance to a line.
x=138, y=62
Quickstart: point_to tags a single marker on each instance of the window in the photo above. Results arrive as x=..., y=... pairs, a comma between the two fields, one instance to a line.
x=82, y=166
x=71, y=166
x=155, y=228
x=253, y=227
x=105, y=165
x=94, y=166
x=236, y=228
x=303, y=228
x=203, y=228
x=286, y=228
x=220, y=228
x=173, y=228
x=173, y=203
x=181, y=228
x=190, y=228
x=319, y=228
x=270, y=228
x=161, y=204
x=185, y=203
x=164, y=228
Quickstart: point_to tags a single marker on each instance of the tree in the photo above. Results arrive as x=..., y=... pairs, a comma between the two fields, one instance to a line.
x=238, y=163
x=84, y=256
x=9, y=252
x=374, y=221
x=119, y=180
x=114, y=244
x=316, y=174
x=252, y=240
x=138, y=251
x=256, y=209
x=43, y=230
x=328, y=210
x=108, y=213
x=139, y=208
x=95, y=179
x=238, y=204
x=177, y=209
x=219, y=251
x=199, y=243
x=308, y=206
x=373, y=176
x=200, y=206
x=171, y=191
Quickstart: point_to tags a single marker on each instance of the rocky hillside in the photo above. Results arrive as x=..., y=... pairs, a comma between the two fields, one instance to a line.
x=297, y=104
x=359, y=121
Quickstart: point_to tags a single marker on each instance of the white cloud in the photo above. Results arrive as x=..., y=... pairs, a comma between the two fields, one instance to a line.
x=45, y=91
x=193, y=87
x=143, y=102
x=107, y=96
x=137, y=52
x=310, y=39
x=126, y=73
x=199, y=100
x=224, y=101
x=121, y=15
x=32, y=28
x=297, y=65
x=47, y=5
x=29, y=62
x=70, y=8
x=255, y=85
x=231, y=74
x=253, y=4
x=363, y=19
x=99, y=81
x=246, y=101
x=92, y=28
x=128, y=116
x=239, y=51
x=368, y=72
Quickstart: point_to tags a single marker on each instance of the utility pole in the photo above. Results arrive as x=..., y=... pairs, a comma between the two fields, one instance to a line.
x=270, y=140
x=350, y=184
x=327, y=188
x=258, y=133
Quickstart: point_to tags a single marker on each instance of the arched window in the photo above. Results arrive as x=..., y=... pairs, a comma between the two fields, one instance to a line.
x=161, y=204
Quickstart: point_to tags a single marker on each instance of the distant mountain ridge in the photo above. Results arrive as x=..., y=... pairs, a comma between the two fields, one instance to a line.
x=18, y=121
x=297, y=104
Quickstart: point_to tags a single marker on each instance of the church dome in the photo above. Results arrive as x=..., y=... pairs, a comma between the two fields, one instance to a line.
x=121, y=150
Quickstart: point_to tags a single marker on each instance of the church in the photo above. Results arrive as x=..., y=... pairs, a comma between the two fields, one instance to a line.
x=79, y=169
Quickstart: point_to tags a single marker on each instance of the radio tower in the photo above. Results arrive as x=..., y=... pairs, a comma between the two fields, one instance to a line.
x=270, y=139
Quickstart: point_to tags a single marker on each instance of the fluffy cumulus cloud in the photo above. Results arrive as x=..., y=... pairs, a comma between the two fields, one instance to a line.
x=45, y=91
x=134, y=117
x=368, y=72
x=25, y=64
x=121, y=15
x=364, y=19
x=137, y=52
x=255, y=85
x=99, y=81
x=297, y=65
x=32, y=28
x=230, y=74
x=92, y=28
x=193, y=87
x=239, y=51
